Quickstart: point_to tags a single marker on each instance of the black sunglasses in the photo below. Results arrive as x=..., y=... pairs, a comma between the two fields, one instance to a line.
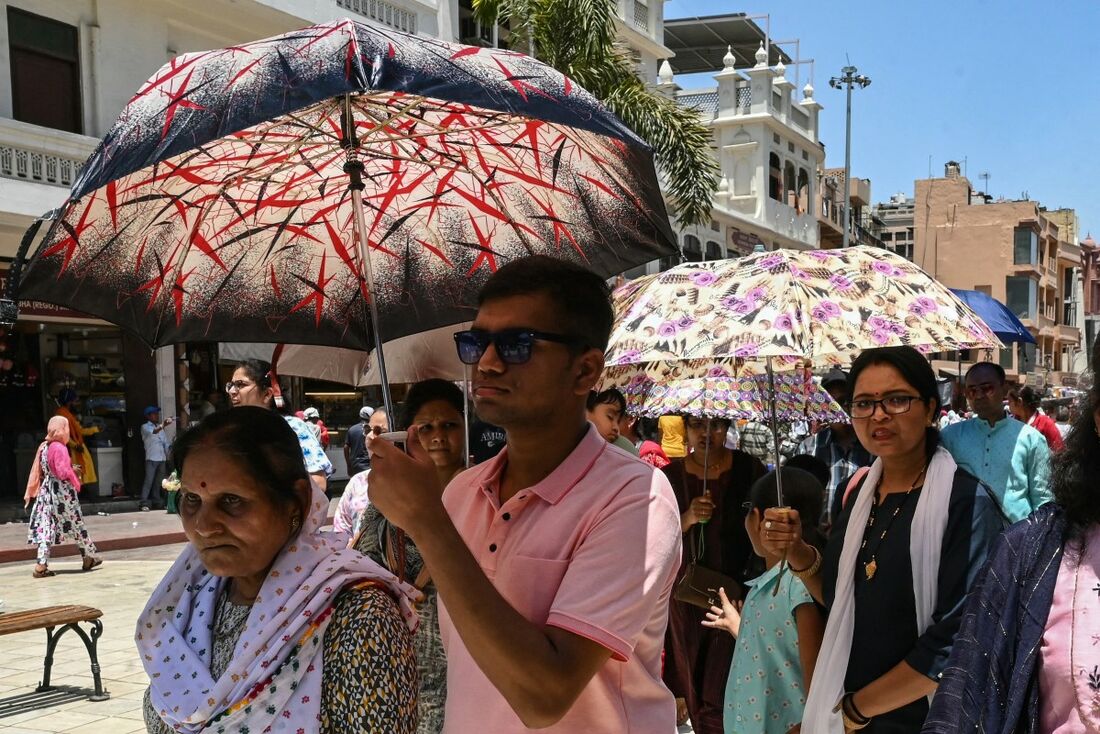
x=513, y=345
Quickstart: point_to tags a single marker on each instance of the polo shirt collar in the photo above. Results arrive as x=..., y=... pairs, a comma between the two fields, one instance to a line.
x=567, y=474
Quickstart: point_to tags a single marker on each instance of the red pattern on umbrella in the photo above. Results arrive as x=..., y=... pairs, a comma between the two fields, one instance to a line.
x=211, y=228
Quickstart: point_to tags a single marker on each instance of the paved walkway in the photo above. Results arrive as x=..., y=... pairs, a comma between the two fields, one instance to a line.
x=120, y=587
x=119, y=531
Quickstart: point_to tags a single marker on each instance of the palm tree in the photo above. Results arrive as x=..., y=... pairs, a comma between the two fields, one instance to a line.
x=577, y=37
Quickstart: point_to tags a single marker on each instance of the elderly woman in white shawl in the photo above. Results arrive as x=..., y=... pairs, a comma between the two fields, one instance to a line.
x=913, y=533
x=264, y=624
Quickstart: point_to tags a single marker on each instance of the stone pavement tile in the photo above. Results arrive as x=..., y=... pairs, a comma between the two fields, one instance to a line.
x=110, y=707
x=22, y=730
x=112, y=725
x=120, y=688
x=60, y=721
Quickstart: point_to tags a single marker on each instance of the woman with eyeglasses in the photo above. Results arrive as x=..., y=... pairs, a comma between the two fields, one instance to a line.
x=254, y=383
x=907, y=545
x=697, y=659
x=1026, y=658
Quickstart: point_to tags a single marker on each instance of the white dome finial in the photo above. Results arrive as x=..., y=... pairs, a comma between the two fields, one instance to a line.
x=780, y=69
x=761, y=55
x=664, y=73
x=808, y=92
x=729, y=60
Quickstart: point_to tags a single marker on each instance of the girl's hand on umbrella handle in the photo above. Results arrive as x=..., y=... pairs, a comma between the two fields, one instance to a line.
x=781, y=535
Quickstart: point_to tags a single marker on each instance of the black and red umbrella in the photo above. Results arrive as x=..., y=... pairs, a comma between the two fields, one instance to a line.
x=285, y=189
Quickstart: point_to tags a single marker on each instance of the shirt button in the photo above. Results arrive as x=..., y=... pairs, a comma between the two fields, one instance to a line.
x=493, y=548
x=507, y=516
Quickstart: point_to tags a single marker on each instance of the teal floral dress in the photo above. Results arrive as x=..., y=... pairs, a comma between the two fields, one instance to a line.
x=764, y=691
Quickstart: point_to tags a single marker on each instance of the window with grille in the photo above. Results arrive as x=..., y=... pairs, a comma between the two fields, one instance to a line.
x=44, y=57
x=641, y=15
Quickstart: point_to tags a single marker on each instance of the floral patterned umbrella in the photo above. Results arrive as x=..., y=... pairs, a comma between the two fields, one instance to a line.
x=725, y=388
x=271, y=191
x=790, y=305
x=784, y=307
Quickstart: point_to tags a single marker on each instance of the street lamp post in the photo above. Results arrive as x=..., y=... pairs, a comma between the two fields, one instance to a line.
x=850, y=79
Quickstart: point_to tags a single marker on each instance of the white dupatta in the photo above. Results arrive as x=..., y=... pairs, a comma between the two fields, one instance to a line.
x=925, y=547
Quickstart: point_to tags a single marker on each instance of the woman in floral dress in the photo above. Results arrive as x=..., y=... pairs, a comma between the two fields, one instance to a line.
x=53, y=486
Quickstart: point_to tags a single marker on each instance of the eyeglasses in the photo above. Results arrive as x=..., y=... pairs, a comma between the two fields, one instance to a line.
x=893, y=405
x=238, y=385
x=513, y=345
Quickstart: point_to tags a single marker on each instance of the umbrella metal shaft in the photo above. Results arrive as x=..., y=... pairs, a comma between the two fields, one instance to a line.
x=778, y=474
x=368, y=272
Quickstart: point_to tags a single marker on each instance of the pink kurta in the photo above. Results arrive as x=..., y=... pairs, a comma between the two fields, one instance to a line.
x=1069, y=659
x=592, y=549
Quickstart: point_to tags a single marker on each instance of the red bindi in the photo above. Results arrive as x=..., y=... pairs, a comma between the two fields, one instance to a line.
x=202, y=484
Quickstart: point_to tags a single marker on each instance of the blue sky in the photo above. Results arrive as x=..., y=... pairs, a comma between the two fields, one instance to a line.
x=1012, y=87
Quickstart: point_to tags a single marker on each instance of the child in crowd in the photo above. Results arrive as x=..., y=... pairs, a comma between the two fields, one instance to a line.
x=605, y=408
x=778, y=630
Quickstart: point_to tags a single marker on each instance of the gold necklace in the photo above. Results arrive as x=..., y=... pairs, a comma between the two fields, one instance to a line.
x=871, y=566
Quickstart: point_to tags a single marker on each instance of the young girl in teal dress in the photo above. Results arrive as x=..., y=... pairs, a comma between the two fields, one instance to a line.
x=778, y=628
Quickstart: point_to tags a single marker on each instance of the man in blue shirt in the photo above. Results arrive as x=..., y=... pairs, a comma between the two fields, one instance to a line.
x=156, y=454
x=1009, y=456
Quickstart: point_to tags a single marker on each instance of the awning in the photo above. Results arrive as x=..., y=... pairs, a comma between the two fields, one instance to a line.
x=701, y=42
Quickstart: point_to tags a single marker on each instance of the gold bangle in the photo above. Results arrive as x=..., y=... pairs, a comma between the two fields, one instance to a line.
x=812, y=570
x=850, y=723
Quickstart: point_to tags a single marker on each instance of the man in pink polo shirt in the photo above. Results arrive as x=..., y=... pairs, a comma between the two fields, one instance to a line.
x=555, y=560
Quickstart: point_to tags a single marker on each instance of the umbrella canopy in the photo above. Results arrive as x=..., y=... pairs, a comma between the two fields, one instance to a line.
x=409, y=359
x=721, y=389
x=788, y=305
x=997, y=316
x=220, y=204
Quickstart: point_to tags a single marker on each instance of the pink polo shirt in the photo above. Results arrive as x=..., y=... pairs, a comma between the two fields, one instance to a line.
x=592, y=549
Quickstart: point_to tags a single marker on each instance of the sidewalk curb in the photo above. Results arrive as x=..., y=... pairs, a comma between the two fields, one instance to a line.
x=30, y=553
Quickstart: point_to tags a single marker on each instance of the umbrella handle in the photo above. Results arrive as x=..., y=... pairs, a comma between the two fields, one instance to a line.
x=782, y=561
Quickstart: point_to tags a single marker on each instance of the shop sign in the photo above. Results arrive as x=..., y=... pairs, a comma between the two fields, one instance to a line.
x=38, y=308
x=1069, y=380
x=1035, y=380
x=741, y=243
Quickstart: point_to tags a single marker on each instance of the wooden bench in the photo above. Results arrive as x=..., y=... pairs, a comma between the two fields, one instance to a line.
x=60, y=618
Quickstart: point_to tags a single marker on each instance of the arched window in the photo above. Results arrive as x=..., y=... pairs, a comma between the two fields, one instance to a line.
x=775, y=178
x=789, y=185
x=803, y=191
x=714, y=250
x=693, y=251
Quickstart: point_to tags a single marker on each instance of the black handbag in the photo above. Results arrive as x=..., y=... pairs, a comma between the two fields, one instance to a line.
x=699, y=584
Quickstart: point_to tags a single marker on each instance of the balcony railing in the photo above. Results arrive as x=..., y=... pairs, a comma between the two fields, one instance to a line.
x=744, y=100
x=40, y=155
x=382, y=12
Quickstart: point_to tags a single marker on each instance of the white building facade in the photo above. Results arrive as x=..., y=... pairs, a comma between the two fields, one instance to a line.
x=765, y=138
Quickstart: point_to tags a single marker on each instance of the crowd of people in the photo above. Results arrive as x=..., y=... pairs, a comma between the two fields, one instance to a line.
x=916, y=569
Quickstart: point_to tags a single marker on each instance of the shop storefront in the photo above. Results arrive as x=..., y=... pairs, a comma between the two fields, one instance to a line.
x=51, y=349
